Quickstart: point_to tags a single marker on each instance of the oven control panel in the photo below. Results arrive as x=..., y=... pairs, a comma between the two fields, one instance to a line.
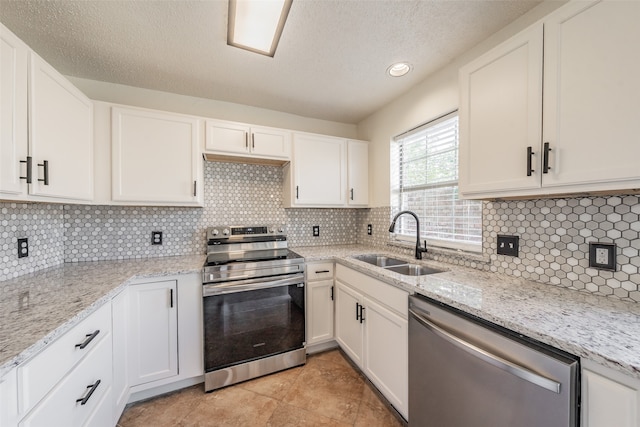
x=226, y=231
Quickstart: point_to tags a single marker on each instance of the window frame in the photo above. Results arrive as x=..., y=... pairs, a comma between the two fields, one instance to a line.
x=396, y=192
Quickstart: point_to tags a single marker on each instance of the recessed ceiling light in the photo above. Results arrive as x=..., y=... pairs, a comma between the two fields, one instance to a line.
x=399, y=69
x=256, y=25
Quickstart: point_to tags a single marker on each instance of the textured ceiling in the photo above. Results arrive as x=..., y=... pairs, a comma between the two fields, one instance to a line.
x=330, y=63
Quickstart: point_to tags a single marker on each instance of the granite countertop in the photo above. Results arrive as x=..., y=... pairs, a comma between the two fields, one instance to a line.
x=601, y=329
x=37, y=308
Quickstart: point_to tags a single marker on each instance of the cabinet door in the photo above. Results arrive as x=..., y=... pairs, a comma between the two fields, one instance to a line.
x=156, y=157
x=319, y=311
x=319, y=165
x=386, y=353
x=153, y=337
x=609, y=401
x=348, y=327
x=591, y=88
x=60, y=135
x=500, y=116
x=120, y=326
x=358, y=173
x=13, y=112
x=9, y=399
x=227, y=137
x=268, y=142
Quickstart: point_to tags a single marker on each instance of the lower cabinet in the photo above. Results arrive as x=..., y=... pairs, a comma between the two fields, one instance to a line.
x=9, y=399
x=372, y=329
x=153, y=332
x=320, y=298
x=609, y=398
x=120, y=328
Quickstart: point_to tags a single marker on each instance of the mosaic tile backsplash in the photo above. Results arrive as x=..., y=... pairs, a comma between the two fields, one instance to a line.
x=554, y=233
x=554, y=241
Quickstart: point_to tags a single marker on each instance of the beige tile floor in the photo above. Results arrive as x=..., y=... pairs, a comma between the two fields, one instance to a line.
x=327, y=391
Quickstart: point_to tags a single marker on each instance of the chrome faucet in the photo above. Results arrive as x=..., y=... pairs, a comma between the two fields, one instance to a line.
x=419, y=249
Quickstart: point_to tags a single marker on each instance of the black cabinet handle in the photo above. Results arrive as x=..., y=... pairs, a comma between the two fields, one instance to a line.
x=246, y=140
x=530, y=154
x=171, y=298
x=352, y=194
x=545, y=160
x=332, y=293
x=195, y=188
x=321, y=271
x=361, y=314
x=357, y=311
x=92, y=388
x=45, y=166
x=253, y=140
x=29, y=163
x=88, y=340
x=297, y=192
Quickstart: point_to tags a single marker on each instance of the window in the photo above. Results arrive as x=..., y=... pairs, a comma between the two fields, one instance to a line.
x=424, y=179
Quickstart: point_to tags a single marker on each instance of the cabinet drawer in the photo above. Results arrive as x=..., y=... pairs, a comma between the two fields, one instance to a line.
x=37, y=376
x=320, y=271
x=64, y=405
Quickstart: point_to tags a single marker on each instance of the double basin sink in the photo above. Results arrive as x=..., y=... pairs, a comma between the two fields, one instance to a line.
x=397, y=265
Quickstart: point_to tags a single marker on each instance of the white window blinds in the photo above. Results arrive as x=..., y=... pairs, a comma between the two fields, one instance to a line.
x=424, y=179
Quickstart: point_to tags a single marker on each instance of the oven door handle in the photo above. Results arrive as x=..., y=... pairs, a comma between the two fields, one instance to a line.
x=250, y=285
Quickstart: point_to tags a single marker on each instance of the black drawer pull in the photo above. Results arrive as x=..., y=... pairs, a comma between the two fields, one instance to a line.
x=332, y=293
x=361, y=314
x=90, y=338
x=297, y=192
x=29, y=169
x=92, y=387
x=45, y=166
x=322, y=271
x=530, y=154
x=545, y=158
x=357, y=311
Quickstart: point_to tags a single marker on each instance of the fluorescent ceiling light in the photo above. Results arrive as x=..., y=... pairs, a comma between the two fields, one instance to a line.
x=399, y=69
x=256, y=25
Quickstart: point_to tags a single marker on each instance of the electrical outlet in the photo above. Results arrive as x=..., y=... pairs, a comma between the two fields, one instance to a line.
x=508, y=245
x=602, y=256
x=23, y=247
x=369, y=229
x=316, y=230
x=156, y=237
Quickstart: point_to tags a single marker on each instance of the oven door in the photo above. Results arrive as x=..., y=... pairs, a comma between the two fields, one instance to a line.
x=251, y=319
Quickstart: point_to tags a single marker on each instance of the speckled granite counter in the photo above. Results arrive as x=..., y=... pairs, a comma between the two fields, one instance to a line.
x=601, y=329
x=37, y=308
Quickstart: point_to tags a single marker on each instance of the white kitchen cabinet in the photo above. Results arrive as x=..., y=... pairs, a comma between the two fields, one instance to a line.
x=348, y=326
x=156, y=158
x=153, y=332
x=372, y=329
x=120, y=328
x=358, y=173
x=60, y=135
x=320, y=298
x=13, y=113
x=609, y=398
x=317, y=175
x=586, y=138
x=9, y=399
x=231, y=141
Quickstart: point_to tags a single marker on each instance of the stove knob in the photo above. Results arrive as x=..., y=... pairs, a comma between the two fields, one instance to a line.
x=281, y=230
x=215, y=232
x=272, y=230
x=225, y=232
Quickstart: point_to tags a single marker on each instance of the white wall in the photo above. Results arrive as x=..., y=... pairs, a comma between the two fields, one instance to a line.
x=435, y=96
x=139, y=97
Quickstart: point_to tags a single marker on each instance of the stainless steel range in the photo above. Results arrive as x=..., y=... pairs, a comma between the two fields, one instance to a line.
x=253, y=304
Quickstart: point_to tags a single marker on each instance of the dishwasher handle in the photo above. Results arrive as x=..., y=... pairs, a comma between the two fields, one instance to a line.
x=488, y=357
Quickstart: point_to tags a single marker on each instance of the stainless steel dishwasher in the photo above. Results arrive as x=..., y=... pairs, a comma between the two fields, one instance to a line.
x=464, y=371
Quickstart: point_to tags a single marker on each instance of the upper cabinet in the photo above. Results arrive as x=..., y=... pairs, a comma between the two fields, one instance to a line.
x=231, y=141
x=317, y=175
x=358, y=173
x=155, y=157
x=13, y=112
x=558, y=122
x=46, y=143
x=326, y=172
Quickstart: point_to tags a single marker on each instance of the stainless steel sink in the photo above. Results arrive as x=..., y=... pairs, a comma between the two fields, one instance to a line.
x=413, y=270
x=380, y=260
